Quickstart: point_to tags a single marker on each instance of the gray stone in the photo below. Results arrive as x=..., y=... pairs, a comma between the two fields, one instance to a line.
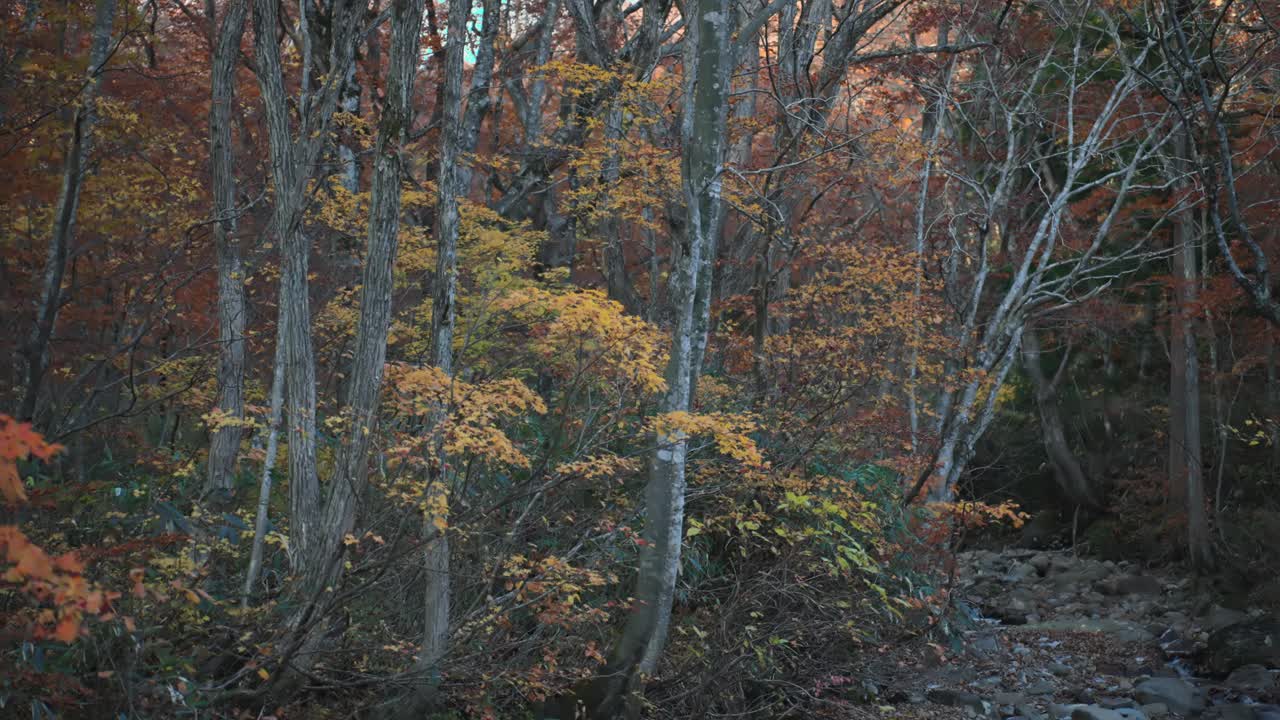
x=1118, y=629
x=1250, y=677
x=1254, y=642
x=1139, y=585
x=1155, y=711
x=1131, y=714
x=1093, y=712
x=956, y=698
x=1234, y=711
x=1058, y=668
x=1008, y=698
x=1029, y=712
x=1220, y=617
x=1057, y=710
x=1020, y=572
x=1079, y=578
x=1042, y=687
x=985, y=644
x=1178, y=695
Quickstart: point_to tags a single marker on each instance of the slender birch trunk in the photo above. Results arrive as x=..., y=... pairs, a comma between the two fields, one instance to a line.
x=264, y=487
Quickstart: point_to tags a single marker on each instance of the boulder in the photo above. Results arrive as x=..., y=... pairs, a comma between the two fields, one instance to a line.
x=1041, y=687
x=1094, y=712
x=967, y=701
x=1250, y=678
x=1234, y=711
x=1020, y=572
x=1117, y=629
x=1041, y=562
x=1177, y=694
x=1253, y=642
x=1130, y=585
x=1009, y=698
x=1220, y=617
x=1081, y=577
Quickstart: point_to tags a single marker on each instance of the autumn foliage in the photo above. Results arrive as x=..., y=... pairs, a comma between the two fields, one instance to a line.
x=499, y=357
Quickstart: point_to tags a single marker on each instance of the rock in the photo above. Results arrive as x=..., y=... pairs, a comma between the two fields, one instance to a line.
x=1020, y=572
x=1220, y=617
x=1117, y=703
x=1266, y=594
x=1178, y=695
x=1131, y=714
x=983, y=645
x=1174, y=645
x=1015, y=606
x=955, y=698
x=1234, y=711
x=1060, y=563
x=1250, y=677
x=1093, y=712
x=1139, y=585
x=1253, y=642
x=1041, y=562
x=1118, y=629
x=1041, y=532
x=1080, y=577
x=1058, y=669
x=1009, y=698
x=1130, y=585
x=1042, y=687
x=1155, y=711
x=1029, y=712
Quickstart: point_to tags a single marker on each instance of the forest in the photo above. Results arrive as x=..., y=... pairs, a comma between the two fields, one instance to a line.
x=523, y=359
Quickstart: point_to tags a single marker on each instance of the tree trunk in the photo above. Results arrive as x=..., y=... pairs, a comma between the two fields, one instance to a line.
x=443, y=318
x=617, y=281
x=224, y=443
x=1273, y=396
x=1066, y=469
x=707, y=62
x=932, y=120
x=79, y=146
x=1186, y=466
x=292, y=160
x=294, y=332
x=264, y=487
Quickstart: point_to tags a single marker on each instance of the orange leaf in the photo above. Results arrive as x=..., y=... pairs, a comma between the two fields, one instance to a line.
x=68, y=628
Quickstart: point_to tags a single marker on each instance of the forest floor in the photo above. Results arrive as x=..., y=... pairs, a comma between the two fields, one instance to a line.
x=1051, y=636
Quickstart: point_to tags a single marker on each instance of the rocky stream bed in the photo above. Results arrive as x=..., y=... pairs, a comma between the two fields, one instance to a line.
x=1053, y=636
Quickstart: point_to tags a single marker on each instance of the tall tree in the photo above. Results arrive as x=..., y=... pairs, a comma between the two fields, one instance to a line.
x=292, y=158
x=1066, y=467
x=79, y=145
x=708, y=62
x=224, y=442
x=450, y=187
